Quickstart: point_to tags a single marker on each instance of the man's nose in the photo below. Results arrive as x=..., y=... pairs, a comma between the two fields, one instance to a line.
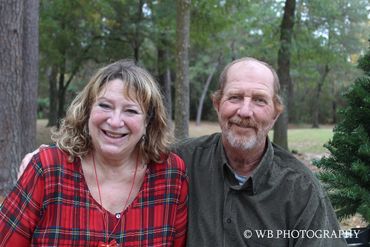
x=246, y=108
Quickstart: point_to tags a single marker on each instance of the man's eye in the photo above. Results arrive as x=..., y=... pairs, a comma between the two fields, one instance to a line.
x=260, y=100
x=234, y=97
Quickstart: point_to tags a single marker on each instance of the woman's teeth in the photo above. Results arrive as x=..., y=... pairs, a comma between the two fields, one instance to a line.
x=114, y=135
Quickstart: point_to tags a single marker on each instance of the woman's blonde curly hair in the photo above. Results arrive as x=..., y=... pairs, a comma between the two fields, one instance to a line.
x=73, y=134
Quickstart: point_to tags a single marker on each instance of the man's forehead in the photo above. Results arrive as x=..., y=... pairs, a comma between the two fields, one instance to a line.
x=252, y=71
x=249, y=66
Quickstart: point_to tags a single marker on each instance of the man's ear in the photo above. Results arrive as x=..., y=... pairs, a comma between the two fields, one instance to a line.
x=216, y=103
x=277, y=114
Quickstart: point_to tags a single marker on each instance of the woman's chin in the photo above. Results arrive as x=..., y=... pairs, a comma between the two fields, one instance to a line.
x=110, y=151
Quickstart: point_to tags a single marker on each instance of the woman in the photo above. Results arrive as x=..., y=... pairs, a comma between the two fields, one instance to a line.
x=110, y=180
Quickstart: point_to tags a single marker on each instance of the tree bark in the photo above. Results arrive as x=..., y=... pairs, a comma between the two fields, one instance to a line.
x=334, y=111
x=182, y=69
x=286, y=29
x=53, y=96
x=164, y=75
x=18, y=84
x=204, y=92
x=316, y=102
x=61, y=92
x=30, y=74
x=168, y=92
x=137, y=39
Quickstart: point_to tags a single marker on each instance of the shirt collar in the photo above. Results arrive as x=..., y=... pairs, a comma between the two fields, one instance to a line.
x=258, y=177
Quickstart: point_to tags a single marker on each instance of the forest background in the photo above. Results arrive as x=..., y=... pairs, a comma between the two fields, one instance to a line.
x=76, y=37
x=313, y=44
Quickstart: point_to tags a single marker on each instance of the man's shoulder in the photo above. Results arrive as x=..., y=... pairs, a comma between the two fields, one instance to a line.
x=287, y=158
x=197, y=142
x=287, y=161
x=296, y=169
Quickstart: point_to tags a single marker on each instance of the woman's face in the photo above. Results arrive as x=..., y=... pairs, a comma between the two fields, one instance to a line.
x=116, y=122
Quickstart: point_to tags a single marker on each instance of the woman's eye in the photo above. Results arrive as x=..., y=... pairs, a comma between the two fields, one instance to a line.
x=103, y=105
x=132, y=111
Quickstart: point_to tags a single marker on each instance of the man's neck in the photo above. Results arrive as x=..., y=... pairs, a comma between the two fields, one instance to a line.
x=244, y=162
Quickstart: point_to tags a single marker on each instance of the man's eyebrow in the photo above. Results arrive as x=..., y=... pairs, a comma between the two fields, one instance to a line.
x=254, y=92
x=234, y=92
x=263, y=94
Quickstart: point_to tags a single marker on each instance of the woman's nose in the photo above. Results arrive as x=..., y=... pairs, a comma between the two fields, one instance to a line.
x=116, y=120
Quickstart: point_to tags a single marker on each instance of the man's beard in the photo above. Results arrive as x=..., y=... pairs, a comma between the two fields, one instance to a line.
x=245, y=142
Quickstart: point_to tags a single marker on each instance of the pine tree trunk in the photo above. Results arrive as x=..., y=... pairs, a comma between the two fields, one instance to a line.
x=182, y=69
x=137, y=38
x=18, y=82
x=334, y=111
x=61, y=92
x=30, y=74
x=204, y=93
x=281, y=125
x=164, y=75
x=202, y=97
x=316, y=102
x=53, y=96
x=168, y=92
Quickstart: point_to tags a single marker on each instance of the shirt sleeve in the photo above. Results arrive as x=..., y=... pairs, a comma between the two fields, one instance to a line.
x=182, y=212
x=319, y=218
x=20, y=211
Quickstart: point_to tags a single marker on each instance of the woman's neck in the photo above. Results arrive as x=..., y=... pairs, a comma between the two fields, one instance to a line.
x=111, y=184
x=110, y=168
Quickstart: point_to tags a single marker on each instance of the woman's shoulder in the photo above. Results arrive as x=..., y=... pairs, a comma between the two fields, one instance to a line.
x=176, y=161
x=52, y=156
x=173, y=163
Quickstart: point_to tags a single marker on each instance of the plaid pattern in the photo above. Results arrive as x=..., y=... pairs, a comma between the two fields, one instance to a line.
x=52, y=206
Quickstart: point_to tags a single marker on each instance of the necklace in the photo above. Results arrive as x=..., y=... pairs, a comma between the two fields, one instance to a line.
x=112, y=243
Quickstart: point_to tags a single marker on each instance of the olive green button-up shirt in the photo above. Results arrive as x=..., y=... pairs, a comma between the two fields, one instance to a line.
x=281, y=204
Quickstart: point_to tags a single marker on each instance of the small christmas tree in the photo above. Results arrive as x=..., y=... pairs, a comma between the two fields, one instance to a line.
x=346, y=172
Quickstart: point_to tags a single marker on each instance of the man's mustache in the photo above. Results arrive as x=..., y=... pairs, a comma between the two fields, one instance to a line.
x=243, y=122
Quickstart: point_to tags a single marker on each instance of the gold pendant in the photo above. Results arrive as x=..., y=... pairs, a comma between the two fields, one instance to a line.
x=112, y=243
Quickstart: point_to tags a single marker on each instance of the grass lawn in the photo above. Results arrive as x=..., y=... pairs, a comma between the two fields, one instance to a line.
x=309, y=140
x=302, y=139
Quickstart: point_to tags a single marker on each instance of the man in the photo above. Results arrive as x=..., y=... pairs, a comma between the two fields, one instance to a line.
x=244, y=190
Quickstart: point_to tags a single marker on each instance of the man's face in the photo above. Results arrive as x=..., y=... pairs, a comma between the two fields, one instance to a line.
x=246, y=110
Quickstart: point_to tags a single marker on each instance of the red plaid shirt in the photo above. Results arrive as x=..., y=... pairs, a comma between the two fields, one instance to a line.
x=51, y=206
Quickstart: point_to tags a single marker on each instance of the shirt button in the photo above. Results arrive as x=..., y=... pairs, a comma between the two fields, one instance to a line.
x=228, y=220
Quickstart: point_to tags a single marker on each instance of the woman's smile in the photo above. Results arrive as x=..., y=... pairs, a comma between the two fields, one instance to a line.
x=115, y=135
